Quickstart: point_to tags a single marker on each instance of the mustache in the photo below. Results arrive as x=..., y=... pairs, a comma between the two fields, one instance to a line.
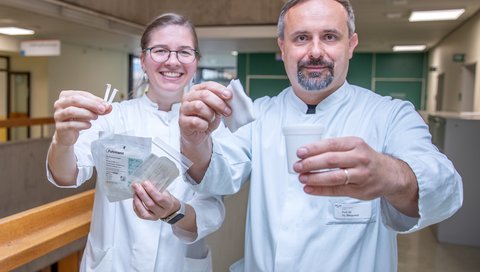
x=315, y=62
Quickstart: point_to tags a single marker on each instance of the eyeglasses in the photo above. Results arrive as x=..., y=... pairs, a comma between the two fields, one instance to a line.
x=161, y=54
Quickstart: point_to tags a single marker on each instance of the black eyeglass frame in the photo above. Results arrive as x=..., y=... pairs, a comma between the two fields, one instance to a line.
x=149, y=49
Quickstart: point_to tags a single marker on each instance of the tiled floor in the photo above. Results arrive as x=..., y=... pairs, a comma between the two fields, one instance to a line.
x=420, y=252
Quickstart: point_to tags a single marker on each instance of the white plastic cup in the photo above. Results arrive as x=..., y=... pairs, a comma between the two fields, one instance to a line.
x=297, y=136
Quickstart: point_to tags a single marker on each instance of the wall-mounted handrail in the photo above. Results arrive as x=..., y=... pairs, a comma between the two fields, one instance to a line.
x=22, y=122
x=36, y=232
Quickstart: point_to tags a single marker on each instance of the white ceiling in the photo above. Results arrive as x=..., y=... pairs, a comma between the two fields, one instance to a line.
x=52, y=19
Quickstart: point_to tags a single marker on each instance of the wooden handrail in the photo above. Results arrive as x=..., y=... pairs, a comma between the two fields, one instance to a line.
x=36, y=232
x=21, y=122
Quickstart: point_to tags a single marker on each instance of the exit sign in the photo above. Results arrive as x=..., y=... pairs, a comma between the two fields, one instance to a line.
x=458, y=57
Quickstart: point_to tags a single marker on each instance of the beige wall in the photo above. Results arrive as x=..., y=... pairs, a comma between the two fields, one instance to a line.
x=227, y=243
x=86, y=68
x=466, y=40
x=8, y=44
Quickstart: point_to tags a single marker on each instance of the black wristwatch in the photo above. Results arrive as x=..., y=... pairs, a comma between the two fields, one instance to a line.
x=176, y=216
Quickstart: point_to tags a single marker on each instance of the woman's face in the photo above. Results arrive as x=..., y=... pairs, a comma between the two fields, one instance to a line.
x=167, y=79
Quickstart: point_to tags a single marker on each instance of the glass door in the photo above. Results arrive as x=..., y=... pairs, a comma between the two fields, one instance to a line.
x=19, y=103
x=4, y=66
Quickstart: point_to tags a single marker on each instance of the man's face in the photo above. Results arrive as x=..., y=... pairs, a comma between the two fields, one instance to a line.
x=316, y=46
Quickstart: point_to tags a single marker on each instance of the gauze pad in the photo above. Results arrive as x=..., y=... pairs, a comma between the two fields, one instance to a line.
x=241, y=105
x=160, y=171
x=162, y=166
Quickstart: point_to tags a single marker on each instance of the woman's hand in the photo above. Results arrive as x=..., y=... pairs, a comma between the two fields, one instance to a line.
x=73, y=112
x=151, y=204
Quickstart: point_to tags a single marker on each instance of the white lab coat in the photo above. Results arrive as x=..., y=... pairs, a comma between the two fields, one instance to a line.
x=288, y=230
x=118, y=239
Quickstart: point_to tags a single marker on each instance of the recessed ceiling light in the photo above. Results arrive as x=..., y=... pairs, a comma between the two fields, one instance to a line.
x=393, y=15
x=435, y=15
x=399, y=2
x=16, y=31
x=403, y=48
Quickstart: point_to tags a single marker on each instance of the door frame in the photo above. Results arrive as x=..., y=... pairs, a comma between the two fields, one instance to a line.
x=9, y=95
x=440, y=92
x=5, y=69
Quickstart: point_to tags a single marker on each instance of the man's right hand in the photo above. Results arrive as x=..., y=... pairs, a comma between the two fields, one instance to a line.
x=200, y=115
x=201, y=109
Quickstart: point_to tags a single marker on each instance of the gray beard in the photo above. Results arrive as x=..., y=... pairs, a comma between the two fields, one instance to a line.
x=314, y=81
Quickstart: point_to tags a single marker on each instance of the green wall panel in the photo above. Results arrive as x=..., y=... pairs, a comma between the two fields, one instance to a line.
x=260, y=87
x=242, y=68
x=360, y=70
x=404, y=65
x=405, y=90
x=265, y=64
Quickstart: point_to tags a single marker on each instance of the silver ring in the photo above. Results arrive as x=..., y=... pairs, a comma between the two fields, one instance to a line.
x=347, y=176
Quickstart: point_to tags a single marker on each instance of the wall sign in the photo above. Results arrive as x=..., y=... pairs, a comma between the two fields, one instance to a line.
x=40, y=48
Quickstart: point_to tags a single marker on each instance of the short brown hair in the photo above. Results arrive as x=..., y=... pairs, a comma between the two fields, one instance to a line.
x=167, y=19
x=291, y=3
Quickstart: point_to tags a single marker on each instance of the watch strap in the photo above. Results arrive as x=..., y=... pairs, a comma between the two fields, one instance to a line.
x=176, y=216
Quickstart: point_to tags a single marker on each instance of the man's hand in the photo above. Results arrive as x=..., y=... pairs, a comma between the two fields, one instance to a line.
x=201, y=110
x=200, y=115
x=352, y=168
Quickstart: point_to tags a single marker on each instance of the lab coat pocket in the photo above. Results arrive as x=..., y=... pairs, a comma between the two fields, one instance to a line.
x=96, y=259
x=198, y=265
x=346, y=210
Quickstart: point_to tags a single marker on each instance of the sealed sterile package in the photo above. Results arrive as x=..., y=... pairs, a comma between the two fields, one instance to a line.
x=122, y=160
x=116, y=157
x=162, y=166
x=241, y=105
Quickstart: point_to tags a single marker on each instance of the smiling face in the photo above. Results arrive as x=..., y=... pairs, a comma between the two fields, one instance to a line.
x=316, y=48
x=168, y=79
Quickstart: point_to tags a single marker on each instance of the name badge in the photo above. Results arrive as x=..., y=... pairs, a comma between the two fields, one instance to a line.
x=345, y=211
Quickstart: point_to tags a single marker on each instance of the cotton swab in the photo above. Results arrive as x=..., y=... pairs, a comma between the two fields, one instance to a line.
x=107, y=94
x=110, y=100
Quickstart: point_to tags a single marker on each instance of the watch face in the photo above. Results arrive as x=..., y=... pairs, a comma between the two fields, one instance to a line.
x=176, y=218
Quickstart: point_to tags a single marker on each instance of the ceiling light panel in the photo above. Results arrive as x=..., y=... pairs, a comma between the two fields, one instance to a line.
x=409, y=48
x=16, y=31
x=435, y=15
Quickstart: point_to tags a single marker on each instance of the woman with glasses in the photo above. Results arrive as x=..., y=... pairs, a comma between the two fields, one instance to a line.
x=156, y=231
